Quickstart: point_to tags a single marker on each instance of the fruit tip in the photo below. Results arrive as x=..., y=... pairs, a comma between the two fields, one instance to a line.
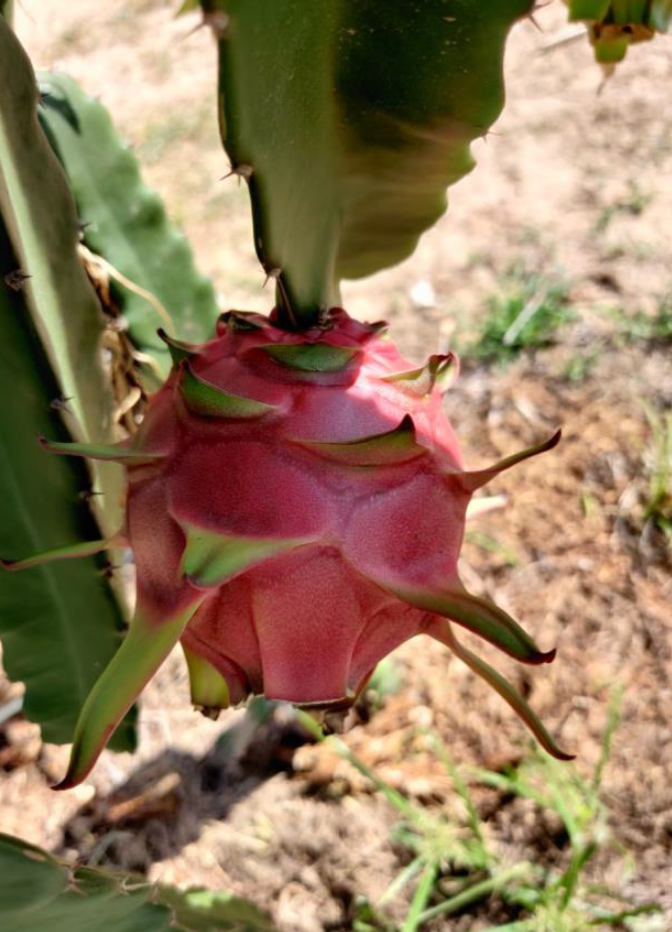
x=45, y=443
x=78, y=768
x=63, y=785
x=71, y=778
x=555, y=439
x=552, y=748
x=538, y=658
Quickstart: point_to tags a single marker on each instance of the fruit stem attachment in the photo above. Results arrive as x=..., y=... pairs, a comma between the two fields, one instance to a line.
x=286, y=316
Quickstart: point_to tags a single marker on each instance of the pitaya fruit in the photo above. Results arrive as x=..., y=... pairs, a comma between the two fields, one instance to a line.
x=296, y=505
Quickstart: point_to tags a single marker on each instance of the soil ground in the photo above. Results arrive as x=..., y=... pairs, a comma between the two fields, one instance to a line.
x=573, y=187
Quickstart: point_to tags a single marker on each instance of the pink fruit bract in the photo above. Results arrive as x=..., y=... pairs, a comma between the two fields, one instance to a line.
x=296, y=506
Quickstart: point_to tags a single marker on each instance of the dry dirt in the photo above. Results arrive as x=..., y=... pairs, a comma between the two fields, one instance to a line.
x=573, y=185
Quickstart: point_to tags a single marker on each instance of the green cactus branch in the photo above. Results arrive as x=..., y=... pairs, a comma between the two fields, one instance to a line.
x=60, y=624
x=40, y=216
x=38, y=892
x=348, y=120
x=125, y=222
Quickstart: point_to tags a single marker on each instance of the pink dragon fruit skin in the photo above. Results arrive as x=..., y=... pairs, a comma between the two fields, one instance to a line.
x=296, y=506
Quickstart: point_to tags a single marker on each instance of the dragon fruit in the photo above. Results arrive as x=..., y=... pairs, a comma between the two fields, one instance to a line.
x=296, y=506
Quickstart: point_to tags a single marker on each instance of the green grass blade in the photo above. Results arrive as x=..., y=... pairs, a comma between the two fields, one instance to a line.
x=476, y=892
x=403, y=878
x=462, y=790
x=617, y=919
x=613, y=721
x=422, y=893
x=399, y=802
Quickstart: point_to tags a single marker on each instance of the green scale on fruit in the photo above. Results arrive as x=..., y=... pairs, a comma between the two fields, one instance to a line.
x=615, y=25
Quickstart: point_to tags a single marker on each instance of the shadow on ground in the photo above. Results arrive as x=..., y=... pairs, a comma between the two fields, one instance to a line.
x=164, y=804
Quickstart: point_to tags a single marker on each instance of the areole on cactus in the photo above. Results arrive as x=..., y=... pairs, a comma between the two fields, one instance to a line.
x=296, y=506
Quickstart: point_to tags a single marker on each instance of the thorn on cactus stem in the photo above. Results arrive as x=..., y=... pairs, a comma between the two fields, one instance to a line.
x=107, y=572
x=61, y=404
x=87, y=494
x=485, y=135
x=16, y=279
x=239, y=171
x=272, y=274
x=218, y=22
x=531, y=16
